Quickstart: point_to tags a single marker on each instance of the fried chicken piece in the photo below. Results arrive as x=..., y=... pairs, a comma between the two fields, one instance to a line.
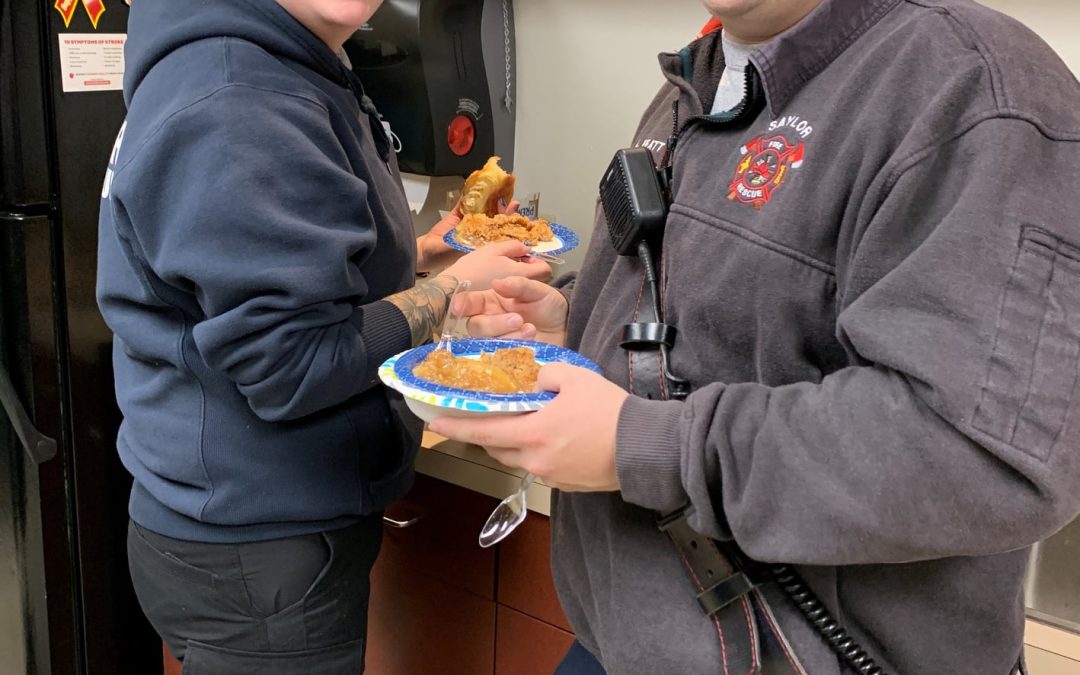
x=477, y=230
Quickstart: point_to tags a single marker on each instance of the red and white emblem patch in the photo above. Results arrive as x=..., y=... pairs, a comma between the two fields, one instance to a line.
x=766, y=162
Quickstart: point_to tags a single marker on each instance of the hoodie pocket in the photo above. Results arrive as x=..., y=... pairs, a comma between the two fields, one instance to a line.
x=206, y=658
x=1030, y=385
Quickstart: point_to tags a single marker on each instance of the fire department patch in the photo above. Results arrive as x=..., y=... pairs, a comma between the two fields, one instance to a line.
x=766, y=162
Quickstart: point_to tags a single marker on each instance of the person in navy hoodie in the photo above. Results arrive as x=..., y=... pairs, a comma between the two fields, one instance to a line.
x=256, y=265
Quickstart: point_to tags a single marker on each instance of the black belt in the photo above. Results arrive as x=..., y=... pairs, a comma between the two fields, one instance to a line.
x=723, y=593
x=720, y=582
x=723, y=590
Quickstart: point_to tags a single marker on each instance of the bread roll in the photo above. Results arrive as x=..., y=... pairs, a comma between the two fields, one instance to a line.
x=485, y=188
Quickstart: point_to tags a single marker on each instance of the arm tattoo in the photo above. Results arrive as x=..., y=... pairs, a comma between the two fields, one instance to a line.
x=424, y=306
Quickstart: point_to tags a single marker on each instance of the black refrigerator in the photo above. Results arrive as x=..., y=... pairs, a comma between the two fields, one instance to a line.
x=66, y=605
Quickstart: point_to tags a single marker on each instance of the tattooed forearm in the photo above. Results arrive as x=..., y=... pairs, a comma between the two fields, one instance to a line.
x=424, y=306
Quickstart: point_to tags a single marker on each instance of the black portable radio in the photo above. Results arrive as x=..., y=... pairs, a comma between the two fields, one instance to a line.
x=634, y=197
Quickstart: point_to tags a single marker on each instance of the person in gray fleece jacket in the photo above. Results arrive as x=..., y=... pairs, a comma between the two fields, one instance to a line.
x=873, y=263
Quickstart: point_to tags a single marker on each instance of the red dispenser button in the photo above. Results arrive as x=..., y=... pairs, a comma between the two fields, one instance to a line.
x=461, y=135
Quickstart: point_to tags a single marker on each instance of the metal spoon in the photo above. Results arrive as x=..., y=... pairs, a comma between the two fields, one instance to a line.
x=507, y=515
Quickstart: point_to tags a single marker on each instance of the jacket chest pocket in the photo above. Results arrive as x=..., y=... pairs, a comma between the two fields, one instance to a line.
x=1030, y=385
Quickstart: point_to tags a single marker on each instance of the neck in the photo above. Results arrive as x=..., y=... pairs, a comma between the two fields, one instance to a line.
x=334, y=39
x=334, y=34
x=764, y=22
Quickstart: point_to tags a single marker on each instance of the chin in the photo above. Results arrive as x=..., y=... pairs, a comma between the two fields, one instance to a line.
x=730, y=8
x=351, y=13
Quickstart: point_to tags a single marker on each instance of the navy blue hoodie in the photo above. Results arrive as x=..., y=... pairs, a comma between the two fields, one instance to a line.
x=251, y=221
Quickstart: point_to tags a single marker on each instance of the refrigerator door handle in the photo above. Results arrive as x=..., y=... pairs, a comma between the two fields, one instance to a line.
x=22, y=213
x=19, y=213
x=40, y=447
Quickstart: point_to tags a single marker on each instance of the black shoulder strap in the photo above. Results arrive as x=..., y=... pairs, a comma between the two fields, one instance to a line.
x=722, y=590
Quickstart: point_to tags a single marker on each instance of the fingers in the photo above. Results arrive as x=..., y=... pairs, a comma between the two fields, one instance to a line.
x=527, y=332
x=509, y=457
x=511, y=248
x=535, y=269
x=518, y=288
x=511, y=208
x=445, y=225
x=485, y=432
x=553, y=376
x=474, y=302
x=495, y=325
x=522, y=289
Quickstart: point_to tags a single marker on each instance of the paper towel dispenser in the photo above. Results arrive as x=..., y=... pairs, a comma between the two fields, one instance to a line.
x=442, y=73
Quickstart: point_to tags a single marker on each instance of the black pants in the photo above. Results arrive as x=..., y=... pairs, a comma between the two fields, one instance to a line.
x=295, y=606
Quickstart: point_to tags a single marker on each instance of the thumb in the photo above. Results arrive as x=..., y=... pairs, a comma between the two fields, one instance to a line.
x=511, y=249
x=522, y=289
x=554, y=376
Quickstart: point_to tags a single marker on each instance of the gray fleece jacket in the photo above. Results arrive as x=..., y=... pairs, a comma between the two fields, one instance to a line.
x=876, y=284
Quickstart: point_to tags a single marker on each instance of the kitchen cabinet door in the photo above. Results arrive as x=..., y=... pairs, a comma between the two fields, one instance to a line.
x=172, y=666
x=525, y=572
x=418, y=625
x=442, y=543
x=525, y=646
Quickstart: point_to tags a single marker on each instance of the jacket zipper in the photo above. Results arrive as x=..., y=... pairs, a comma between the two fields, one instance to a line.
x=750, y=106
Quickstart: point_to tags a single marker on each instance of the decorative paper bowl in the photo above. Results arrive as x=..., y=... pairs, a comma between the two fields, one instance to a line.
x=428, y=400
x=565, y=240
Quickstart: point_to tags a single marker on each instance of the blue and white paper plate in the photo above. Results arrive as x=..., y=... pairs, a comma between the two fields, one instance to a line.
x=429, y=400
x=565, y=240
